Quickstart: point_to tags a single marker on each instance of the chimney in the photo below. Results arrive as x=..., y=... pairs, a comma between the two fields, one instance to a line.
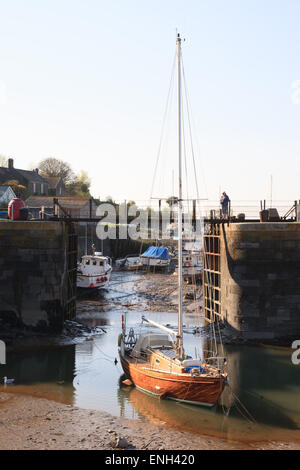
x=10, y=163
x=37, y=170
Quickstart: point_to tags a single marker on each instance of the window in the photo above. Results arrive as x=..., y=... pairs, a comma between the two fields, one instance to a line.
x=87, y=263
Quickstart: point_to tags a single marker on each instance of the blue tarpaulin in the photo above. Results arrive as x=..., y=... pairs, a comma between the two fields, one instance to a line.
x=156, y=252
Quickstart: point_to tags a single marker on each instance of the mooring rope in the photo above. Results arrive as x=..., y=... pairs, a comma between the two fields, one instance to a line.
x=251, y=418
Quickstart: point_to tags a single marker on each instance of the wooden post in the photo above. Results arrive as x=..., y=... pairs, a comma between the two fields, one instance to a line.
x=159, y=218
x=194, y=215
x=55, y=207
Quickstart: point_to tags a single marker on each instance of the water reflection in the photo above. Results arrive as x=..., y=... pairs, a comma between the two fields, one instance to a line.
x=226, y=419
x=47, y=373
x=264, y=379
x=267, y=382
x=260, y=401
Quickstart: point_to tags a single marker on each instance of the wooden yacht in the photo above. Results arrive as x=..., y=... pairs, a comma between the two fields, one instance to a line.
x=157, y=363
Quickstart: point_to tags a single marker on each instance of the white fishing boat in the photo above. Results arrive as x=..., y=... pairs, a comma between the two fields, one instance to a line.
x=93, y=272
x=191, y=266
x=129, y=263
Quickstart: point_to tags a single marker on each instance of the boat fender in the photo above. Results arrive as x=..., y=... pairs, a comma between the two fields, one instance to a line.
x=120, y=337
x=195, y=372
x=127, y=382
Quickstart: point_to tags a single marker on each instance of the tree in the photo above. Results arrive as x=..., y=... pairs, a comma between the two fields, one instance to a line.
x=84, y=182
x=80, y=186
x=50, y=167
x=17, y=188
x=14, y=184
x=110, y=200
x=3, y=160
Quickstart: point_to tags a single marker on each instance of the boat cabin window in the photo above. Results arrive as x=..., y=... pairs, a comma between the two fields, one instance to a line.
x=94, y=263
x=101, y=263
x=87, y=262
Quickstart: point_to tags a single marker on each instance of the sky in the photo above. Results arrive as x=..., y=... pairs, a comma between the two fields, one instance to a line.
x=87, y=82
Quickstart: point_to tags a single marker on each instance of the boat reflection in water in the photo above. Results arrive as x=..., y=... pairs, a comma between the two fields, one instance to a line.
x=264, y=408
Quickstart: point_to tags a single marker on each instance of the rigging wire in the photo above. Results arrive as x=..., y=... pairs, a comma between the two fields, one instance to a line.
x=164, y=122
x=188, y=114
x=190, y=119
x=186, y=104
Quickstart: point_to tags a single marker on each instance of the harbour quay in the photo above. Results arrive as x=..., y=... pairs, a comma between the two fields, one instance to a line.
x=38, y=275
x=255, y=271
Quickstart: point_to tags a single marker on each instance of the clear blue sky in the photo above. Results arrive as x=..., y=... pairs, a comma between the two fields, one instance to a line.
x=87, y=81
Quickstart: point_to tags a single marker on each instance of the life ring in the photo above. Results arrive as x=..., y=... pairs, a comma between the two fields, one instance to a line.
x=187, y=264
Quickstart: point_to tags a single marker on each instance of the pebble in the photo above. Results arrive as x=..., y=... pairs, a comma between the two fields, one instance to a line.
x=122, y=443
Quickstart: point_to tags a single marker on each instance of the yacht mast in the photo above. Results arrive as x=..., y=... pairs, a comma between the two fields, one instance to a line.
x=179, y=344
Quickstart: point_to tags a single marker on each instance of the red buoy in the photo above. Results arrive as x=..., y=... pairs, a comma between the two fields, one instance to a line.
x=14, y=208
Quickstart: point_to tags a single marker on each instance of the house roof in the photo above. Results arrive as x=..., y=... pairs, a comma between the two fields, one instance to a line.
x=68, y=202
x=32, y=176
x=7, y=174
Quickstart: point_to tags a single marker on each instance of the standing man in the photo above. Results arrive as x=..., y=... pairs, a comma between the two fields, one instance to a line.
x=224, y=204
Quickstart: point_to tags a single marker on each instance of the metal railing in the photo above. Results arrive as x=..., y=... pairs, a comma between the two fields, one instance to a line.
x=192, y=209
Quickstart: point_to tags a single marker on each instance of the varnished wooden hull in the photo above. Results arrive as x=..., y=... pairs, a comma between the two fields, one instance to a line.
x=196, y=390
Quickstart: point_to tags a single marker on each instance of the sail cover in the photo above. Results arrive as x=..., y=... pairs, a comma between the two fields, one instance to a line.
x=156, y=252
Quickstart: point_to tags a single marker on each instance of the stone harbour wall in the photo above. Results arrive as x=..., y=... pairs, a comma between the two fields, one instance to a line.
x=34, y=288
x=260, y=278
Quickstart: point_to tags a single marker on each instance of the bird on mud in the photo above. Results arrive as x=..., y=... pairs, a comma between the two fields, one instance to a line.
x=7, y=381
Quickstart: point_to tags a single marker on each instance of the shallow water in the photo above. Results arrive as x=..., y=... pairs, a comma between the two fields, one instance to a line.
x=264, y=379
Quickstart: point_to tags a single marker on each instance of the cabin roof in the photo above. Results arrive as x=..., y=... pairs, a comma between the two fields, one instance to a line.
x=151, y=340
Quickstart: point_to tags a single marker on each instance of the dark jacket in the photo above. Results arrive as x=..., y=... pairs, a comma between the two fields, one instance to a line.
x=225, y=200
